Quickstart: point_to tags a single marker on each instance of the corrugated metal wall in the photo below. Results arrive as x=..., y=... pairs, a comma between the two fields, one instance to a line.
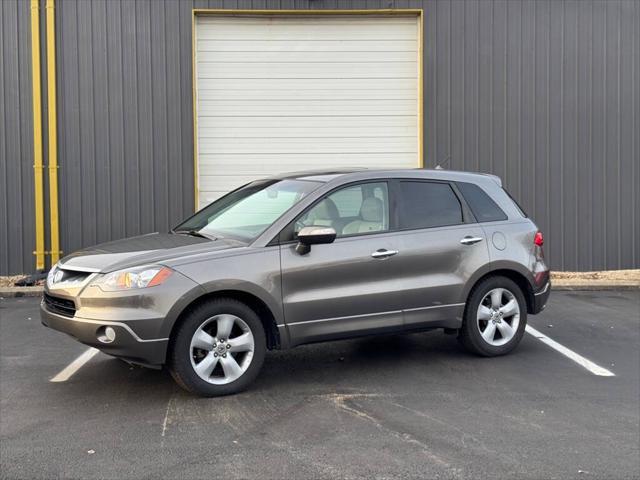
x=17, y=237
x=543, y=93
x=125, y=114
x=546, y=95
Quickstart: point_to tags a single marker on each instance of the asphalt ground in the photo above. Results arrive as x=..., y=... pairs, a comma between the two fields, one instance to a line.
x=387, y=407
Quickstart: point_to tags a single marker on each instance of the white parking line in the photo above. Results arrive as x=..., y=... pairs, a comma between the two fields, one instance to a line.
x=579, y=359
x=74, y=366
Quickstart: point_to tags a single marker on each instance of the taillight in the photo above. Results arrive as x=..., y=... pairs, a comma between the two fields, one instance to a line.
x=538, y=239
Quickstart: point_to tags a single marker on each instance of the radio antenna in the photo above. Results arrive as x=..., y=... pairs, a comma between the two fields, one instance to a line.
x=441, y=165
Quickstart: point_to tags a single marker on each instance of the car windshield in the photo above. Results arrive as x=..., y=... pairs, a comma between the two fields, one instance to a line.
x=247, y=212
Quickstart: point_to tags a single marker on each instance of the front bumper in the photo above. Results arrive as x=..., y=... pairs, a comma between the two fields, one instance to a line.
x=540, y=298
x=126, y=345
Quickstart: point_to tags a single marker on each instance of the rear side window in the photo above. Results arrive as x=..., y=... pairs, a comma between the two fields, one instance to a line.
x=428, y=204
x=481, y=204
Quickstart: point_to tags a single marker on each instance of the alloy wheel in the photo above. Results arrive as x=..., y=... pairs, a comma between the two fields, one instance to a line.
x=498, y=316
x=221, y=349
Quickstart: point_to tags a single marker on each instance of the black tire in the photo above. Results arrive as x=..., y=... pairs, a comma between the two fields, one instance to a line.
x=470, y=335
x=179, y=356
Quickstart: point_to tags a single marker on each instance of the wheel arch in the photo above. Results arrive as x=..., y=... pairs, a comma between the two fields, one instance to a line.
x=254, y=302
x=516, y=272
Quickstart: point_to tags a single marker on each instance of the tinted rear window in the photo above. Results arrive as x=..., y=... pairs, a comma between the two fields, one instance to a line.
x=428, y=204
x=481, y=204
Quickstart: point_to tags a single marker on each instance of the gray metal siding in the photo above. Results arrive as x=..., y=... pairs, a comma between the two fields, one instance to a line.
x=126, y=149
x=17, y=227
x=543, y=93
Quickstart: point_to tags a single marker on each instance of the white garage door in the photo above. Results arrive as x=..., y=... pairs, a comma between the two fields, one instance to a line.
x=278, y=93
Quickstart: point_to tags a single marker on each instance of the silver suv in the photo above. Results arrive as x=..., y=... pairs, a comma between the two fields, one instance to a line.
x=303, y=258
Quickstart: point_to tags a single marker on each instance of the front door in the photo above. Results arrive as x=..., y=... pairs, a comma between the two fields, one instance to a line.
x=351, y=285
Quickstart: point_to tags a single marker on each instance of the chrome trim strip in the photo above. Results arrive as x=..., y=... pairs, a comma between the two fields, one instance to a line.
x=544, y=290
x=63, y=266
x=433, y=306
x=123, y=325
x=345, y=318
x=376, y=314
x=72, y=283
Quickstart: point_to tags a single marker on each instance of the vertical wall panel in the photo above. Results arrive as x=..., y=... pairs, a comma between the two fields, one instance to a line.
x=130, y=122
x=544, y=93
x=626, y=134
x=17, y=231
x=584, y=129
x=115, y=113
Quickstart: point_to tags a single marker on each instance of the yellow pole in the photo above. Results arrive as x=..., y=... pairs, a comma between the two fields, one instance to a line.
x=53, y=139
x=37, y=134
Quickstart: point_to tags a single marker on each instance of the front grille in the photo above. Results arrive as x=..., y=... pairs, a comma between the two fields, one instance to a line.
x=58, y=305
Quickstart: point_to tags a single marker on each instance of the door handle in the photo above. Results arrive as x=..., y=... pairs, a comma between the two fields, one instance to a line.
x=383, y=253
x=469, y=240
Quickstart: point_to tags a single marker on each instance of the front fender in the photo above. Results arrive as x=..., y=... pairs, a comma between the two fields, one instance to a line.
x=247, y=287
x=178, y=307
x=236, y=273
x=219, y=286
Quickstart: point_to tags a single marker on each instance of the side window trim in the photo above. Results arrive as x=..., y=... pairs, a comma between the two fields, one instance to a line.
x=289, y=228
x=393, y=188
x=467, y=214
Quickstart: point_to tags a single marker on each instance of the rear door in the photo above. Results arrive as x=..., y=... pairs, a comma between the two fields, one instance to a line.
x=441, y=247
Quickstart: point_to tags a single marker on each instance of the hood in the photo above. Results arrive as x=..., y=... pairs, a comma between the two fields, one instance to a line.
x=141, y=250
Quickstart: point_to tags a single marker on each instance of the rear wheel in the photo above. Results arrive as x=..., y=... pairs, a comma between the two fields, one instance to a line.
x=495, y=317
x=218, y=349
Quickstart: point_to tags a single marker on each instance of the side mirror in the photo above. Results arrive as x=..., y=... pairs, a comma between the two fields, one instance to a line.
x=308, y=236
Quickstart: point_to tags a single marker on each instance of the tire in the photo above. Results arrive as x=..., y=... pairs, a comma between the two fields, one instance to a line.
x=196, y=341
x=484, y=330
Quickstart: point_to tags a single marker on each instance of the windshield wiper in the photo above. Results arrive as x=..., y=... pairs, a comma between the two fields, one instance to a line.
x=195, y=233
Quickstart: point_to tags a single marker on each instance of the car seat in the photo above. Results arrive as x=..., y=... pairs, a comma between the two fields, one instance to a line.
x=371, y=216
x=324, y=214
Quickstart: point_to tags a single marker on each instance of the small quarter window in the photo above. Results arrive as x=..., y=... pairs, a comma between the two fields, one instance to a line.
x=481, y=204
x=428, y=204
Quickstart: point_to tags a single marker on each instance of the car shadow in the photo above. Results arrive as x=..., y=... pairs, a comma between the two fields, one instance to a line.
x=352, y=363
x=355, y=361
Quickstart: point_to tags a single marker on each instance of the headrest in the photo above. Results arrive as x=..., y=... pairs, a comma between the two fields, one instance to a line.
x=326, y=210
x=371, y=210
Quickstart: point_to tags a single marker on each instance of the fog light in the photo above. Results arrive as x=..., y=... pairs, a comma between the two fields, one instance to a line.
x=106, y=334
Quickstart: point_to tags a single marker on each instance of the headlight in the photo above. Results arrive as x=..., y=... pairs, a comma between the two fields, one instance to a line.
x=133, y=278
x=51, y=275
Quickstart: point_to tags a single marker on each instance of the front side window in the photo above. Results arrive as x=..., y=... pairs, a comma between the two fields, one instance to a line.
x=428, y=204
x=353, y=210
x=247, y=212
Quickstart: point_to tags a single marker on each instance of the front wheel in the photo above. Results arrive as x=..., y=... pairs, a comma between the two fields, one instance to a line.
x=495, y=317
x=218, y=348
